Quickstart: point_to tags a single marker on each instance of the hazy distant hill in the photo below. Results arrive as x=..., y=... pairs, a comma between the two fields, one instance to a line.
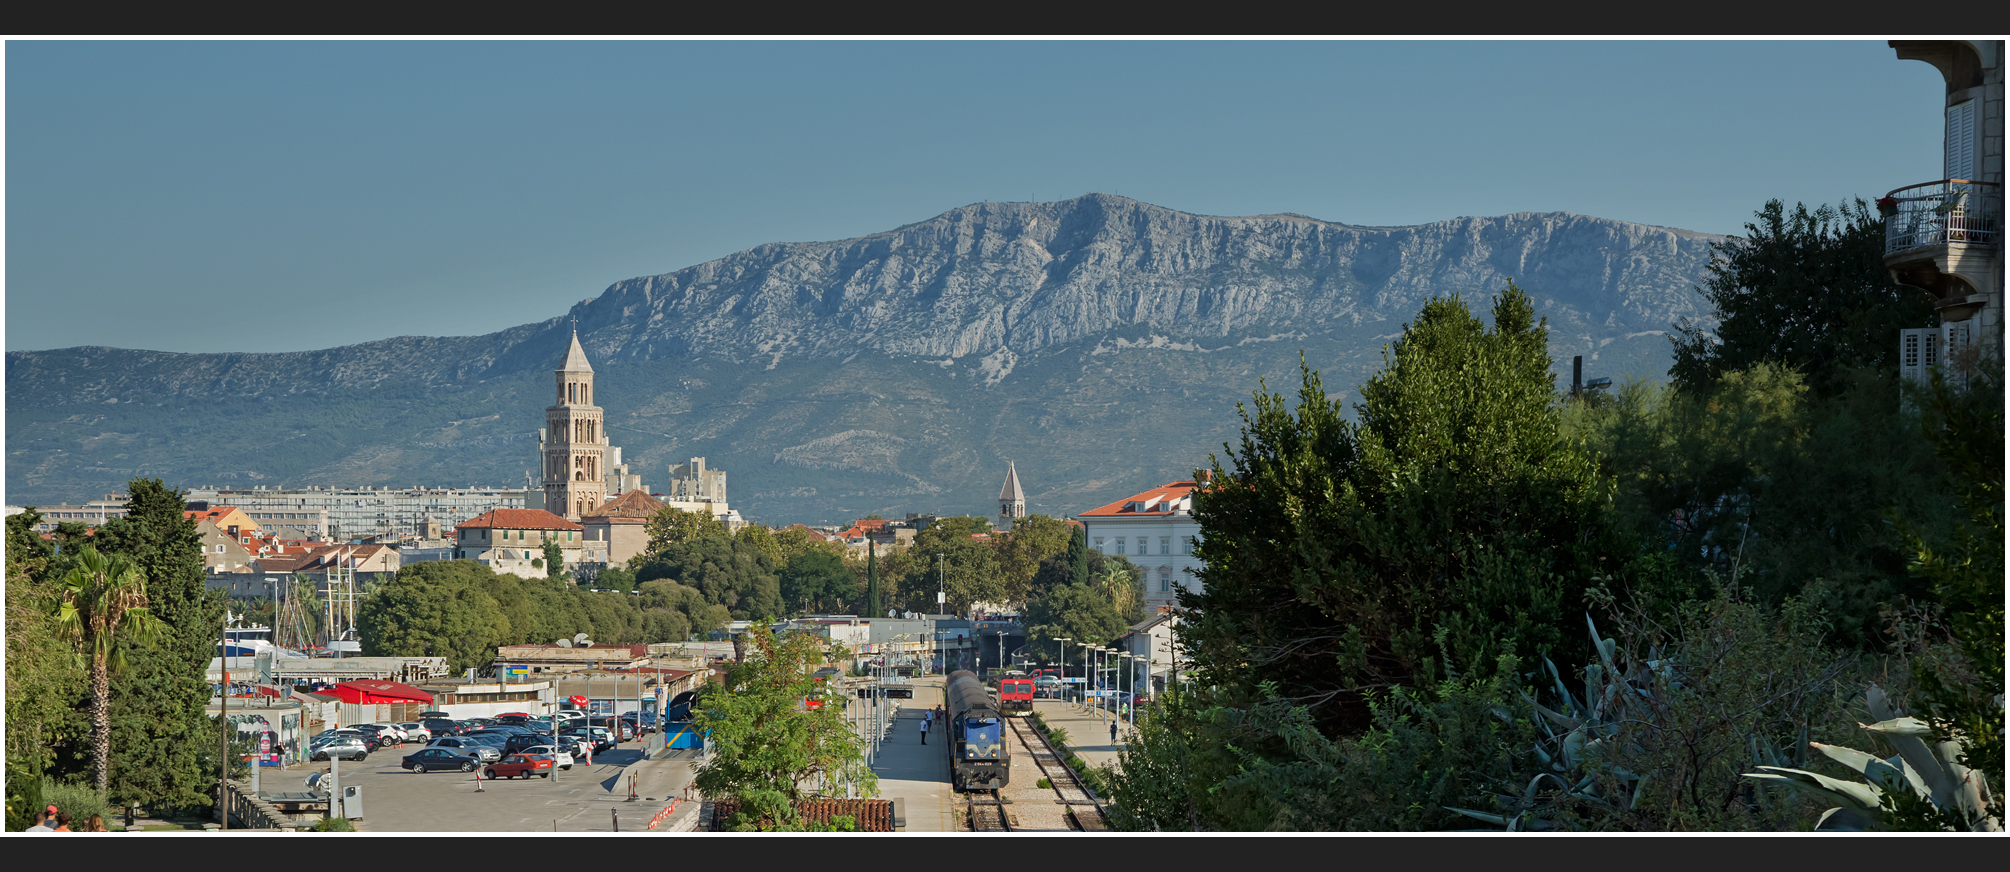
x=1100, y=342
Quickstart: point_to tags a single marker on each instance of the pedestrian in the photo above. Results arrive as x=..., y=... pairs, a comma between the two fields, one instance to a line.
x=1113, y=732
x=924, y=731
x=42, y=824
x=63, y=822
x=96, y=824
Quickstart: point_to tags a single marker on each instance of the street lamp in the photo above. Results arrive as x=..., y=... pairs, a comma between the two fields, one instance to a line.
x=941, y=587
x=1064, y=661
x=1126, y=659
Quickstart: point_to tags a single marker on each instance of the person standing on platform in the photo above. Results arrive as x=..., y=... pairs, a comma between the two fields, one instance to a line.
x=924, y=731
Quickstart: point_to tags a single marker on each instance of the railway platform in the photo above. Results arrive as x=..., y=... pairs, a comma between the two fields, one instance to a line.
x=1088, y=733
x=913, y=775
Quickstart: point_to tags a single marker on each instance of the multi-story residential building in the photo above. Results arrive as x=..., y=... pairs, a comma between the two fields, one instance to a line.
x=507, y=540
x=225, y=549
x=91, y=513
x=1154, y=530
x=1153, y=647
x=691, y=482
x=352, y=513
x=291, y=523
x=1946, y=236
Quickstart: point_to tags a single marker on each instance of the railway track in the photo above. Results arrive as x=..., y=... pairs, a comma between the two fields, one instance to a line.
x=987, y=815
x=1068, y=789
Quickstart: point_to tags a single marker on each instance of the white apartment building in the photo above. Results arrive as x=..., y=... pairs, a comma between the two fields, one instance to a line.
x=1154, y=530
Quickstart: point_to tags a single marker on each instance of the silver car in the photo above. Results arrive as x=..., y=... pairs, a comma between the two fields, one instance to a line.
x=482, y=751
x=338, y=747
x=416, y=732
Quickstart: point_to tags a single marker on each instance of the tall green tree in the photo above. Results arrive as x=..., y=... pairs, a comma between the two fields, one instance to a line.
x=45, y=682
x=969, y=570
x=103, y=613
x=672, y=526
x=1080, y=613
x=768, y=743
x=738, y=575
x=1033, y=541
x=871, y=606
x=161, y=732
x=1807, y=290
x=439, y=608
x=1452, y=524
x=816, y=580
x=554, y=561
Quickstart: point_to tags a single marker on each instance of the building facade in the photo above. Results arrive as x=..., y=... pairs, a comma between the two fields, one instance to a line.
x=353, y=513
x=1156, y=531
x=507, y=540
x=573, y=445
x=692, y=482
x=1945, y=237
x=621, y=525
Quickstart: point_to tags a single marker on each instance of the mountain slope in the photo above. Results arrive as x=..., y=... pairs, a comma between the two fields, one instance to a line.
x=1100, y=342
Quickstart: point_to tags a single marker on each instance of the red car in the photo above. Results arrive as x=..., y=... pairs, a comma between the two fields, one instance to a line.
x=520, y=766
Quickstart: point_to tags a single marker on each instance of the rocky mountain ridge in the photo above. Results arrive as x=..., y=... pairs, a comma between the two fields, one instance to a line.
x=987, y=305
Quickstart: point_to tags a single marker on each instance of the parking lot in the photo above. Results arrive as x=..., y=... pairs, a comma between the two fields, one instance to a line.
x=584, y=799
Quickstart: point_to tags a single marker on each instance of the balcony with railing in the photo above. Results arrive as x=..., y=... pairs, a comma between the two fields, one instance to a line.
x=1946, y=212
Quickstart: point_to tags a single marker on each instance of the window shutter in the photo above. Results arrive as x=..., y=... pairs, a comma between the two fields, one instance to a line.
x=1960, y=162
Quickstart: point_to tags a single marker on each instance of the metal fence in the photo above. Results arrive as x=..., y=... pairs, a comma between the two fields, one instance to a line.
x=1942, y=212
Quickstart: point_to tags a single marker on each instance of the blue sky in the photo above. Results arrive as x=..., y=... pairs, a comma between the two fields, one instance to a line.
x=275, y=196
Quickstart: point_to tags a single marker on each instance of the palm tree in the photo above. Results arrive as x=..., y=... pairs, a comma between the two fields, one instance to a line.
x=104, y=603
x=1121, y=587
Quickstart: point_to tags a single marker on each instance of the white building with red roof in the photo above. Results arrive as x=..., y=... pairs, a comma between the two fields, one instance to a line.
x=1154, y=530
x=507, y=540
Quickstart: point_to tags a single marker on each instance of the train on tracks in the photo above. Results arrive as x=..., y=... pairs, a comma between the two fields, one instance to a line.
x=974, y=735
x=1015, y=695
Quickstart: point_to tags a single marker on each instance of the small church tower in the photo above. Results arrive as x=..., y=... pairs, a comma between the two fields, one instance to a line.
x=575, y=479
x=1012, y=499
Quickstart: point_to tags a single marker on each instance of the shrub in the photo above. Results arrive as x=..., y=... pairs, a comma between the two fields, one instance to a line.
x=79, y=800
x=334, y=825
x=1044, y=784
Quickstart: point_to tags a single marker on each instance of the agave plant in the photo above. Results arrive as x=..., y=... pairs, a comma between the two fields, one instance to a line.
x=1958, y=796
x=1579, y=735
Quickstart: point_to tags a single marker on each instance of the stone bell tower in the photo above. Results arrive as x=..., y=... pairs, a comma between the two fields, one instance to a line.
x=575, y=449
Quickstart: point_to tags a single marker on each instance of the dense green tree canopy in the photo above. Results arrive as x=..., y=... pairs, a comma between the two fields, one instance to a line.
x=1450, y=524
x=674, y=526
x=730, y=572
x=1807, y=290
x=1081, y=613
x=817, y=581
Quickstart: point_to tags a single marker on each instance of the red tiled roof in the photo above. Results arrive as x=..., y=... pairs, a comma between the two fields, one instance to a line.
x=633, y=504
x=873, y=815
x=1122, y=508
x=520, y=519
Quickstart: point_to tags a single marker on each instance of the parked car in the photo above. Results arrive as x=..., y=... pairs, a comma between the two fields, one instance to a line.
x=416, y=732
x=520, y=766
x=478, y=723
x=426, y=715
x=338, y=748
x=369, y=739
x=510, y=742
x=444, y=727
x=602, y=740
x=557, y=754
x=475, y=748
x=643, y=723
x=377, y=732
x=622, y=730
x=439, y=760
